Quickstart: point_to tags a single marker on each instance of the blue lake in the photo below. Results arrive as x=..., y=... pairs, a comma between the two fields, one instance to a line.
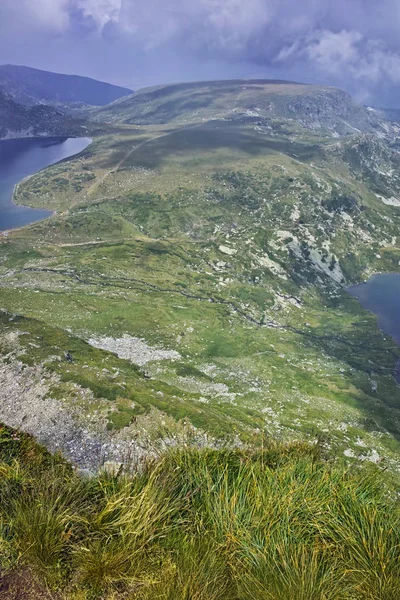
x=381, y=295
x=22, y=157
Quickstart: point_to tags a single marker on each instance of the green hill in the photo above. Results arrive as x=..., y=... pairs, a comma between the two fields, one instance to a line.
x=314, y=107
x=179, y=331
x=195, y=273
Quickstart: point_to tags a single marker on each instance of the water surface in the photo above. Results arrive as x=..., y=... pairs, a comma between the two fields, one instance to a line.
x=381, y=295
x=22, y=157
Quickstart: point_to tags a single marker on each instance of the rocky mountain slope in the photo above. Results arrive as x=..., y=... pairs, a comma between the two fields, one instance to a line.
x=192, y=283
x=17, y=120
x=32, y=86
x=317, y=108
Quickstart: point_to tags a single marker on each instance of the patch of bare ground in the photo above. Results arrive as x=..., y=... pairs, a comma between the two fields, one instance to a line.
x=25, y=404
x=134, y=349
x=22, y=585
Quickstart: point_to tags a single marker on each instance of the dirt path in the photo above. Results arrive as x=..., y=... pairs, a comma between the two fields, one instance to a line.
x=137, y=238
x=92, y=189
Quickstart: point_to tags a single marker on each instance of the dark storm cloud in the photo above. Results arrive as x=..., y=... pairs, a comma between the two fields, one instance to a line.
x=354, y=43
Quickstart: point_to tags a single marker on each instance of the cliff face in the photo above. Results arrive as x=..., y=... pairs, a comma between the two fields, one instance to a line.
x=330, y=109
x=374, y=161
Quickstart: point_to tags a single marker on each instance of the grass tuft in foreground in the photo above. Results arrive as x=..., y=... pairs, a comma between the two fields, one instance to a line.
x=276, y=523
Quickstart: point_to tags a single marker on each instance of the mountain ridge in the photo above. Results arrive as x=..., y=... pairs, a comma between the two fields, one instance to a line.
x=315, y=107
x=30, y=86
x=17, y=120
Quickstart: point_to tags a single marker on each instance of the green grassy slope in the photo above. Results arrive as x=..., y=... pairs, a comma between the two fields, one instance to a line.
x=315, y=107
x=277, y=523
x=223, y=246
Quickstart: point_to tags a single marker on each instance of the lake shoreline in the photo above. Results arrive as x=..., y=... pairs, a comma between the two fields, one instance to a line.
x=10, y=207
x=380, y=295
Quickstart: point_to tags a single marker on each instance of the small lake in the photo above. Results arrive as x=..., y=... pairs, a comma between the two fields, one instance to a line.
x=381, y=295
x=26, y=156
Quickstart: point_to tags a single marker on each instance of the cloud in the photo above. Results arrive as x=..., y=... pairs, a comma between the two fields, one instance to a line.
x=24, y=15
x=377, y=62
x=328, y=36
x=331, y=50
x=345, y=53
x=102, y=12
x=348, y=42
x=220, y=26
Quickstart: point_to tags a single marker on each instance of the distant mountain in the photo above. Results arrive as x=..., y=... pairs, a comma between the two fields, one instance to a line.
x=312, y=107
x=32, y=86
x=17, y=120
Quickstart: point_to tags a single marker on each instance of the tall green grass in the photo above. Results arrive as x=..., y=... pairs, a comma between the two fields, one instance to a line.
x=278, y=523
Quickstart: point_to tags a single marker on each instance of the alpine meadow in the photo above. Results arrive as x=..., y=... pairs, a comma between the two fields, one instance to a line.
x=194, y=406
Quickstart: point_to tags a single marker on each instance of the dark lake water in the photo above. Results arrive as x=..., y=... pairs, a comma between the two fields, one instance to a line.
x=381, y=295
x=22, y=157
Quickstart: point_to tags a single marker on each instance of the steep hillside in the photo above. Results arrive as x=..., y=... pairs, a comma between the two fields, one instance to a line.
x=316, y=108
x=191, y=285
x=17, y=120
x=372, y=159
x=33, y=86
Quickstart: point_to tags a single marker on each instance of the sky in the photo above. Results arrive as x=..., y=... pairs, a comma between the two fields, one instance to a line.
x=352, y=44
